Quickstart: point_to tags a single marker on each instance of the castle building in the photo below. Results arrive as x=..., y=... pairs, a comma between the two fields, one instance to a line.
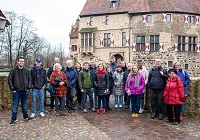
x=139, y=29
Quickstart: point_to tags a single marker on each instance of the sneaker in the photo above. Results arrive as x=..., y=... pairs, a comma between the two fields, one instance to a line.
x=136, y=115
x=28, y=118
x=141, y=110
x=12, y=122
x=32, y=115
x=116, y=106
x=93, y=109
x=42, y=114
x=120, y=106
x=133, y=115
x=85, y=110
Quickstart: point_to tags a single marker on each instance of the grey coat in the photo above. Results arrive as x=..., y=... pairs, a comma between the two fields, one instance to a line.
x=118, y=81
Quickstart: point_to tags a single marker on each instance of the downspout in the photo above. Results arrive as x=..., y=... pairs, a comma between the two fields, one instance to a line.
x=129, y=35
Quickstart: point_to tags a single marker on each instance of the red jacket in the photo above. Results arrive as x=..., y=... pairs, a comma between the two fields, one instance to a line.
x=174, y=91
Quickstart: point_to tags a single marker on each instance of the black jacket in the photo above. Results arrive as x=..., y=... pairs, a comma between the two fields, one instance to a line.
x=102, y=83
x=39, y=78
x=19, y=79
x=111, y=80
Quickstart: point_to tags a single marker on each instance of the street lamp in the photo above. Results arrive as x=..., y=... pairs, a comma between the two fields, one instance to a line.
x=3, y=21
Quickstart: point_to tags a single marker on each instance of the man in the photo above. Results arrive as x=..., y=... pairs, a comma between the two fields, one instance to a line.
x=93, y=71
x=85, y=84
x=183, y=74
x=125, y=76
x=50, y=71
x=38, y=82
x=145, y=73
x=113, y=63
x=19, y=81
x=156, y=82
x=72, y=77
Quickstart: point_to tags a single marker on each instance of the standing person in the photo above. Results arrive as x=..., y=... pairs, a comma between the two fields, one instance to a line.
x=183, y=74
x=156, y=82
x=125, y=76
x=79, y=94
x=72, y=77
x=93, y=71
x=111, y=85
x=134, y=86
x=38, y=82
x=19, y=82
x=119, y=86
x=145, y=73
x=102, y=89
x=85, y=84
x=173, y=96
x=49, y=72
x=124, y=67
x=113, y=64
x=59, y=80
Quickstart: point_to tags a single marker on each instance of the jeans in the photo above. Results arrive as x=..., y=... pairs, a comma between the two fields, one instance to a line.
x=119, y=99
x=103, y=99
x=95, y=97
x=35, y=93
x=142, y=101
x=135, y=102
x=181, y=108
x=157, y=102
x=71, y=93
x=16, y=98
x=89, y=92
x=60, y=103
x=128, y=98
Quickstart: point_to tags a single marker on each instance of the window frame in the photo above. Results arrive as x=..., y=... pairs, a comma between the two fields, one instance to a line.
x=154, y=45
x=167, y=17
x=123, y=39
x=87, y=39
x=107, y=40
x=140, y=45
x=149, y=20
x=187, y=43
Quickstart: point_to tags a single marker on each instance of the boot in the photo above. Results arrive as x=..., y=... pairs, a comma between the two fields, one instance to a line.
x=103, y=111
x=63, y=113
x=98, y=111
x=153, y=115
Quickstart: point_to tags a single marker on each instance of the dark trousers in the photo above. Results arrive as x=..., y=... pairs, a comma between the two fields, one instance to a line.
x=103, y=99
x=52, y=102
x=169, y=109
x=71, y=93
x=156, y=99
x=125, y=98
x=79, y=96
x=108, y=97
x=135, y=103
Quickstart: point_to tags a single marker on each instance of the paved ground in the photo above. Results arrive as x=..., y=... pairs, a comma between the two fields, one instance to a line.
x=115, y=125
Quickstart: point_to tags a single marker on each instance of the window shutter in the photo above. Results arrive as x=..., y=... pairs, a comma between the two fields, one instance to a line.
x=133, y=47
x=112, y=42
x=164, y=17
x=101, y=42
x=161, y=47
x=127, y=41
x=88, y=23
x=144, y=18
x=198, y=48
x=147, y=47
x=197, y=20
x=186, y=18
x=175, y=47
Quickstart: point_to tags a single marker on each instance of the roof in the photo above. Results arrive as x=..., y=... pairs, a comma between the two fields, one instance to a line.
x=100, y=7
x=2, y=15
x=87, y=30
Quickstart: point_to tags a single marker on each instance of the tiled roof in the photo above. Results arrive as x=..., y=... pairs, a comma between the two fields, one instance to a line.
x=98, y=7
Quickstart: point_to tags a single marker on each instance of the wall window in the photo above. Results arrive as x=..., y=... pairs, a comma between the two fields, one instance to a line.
x=91, y=21
x=123, y=38
x=149, y=18
x=73, y=48
x=192, y=19
x=170, y=64
x=107, y=40
x=186, y=66
x=186, y=43
x=107, y=19
x=168, y=18
x=140, y=43
x=154, y=43
x=87, y=39
x=114, y=3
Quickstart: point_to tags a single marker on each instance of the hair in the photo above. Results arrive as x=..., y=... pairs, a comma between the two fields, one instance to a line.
x=139, y=60
x=20, y=57
x=101, y=64
x=78, y=63
x=69, y=61
x=56, y=64
x=85, y=63
x=131, y=72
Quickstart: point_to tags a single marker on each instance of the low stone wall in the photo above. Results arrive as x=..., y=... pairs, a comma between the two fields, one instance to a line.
x=192, y=103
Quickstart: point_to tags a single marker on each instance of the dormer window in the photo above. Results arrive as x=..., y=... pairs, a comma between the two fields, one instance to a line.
x=114, y=3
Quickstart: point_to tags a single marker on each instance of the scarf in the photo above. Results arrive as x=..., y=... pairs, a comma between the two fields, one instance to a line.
x=136, y=79
x=101, y=72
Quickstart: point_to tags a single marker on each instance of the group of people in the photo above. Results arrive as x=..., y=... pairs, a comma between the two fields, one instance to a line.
x=71, y=86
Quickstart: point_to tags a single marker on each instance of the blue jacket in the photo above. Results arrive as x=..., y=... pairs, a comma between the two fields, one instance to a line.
x=72, y=76
x=93, y=71
x=183, y=74
x=113, y=65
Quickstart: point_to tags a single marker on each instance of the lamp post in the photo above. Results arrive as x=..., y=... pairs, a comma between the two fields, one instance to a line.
x=3, y=21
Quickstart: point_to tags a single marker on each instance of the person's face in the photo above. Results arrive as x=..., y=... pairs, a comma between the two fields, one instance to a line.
x=57, y=68
x=129, y=67
x=172, y=74
x=177, y=67
x=113, y=59
x=92, y=63
x=139, y=64
x=108, y=69
x=119, y=69
x=20, y=62
x=86, y=66
x=38, y=63
x=69, y=64
x=135, y=69
x=78, y=66
x=56, y=60
x=100, y=67
x=123, y=64
x=157, y=63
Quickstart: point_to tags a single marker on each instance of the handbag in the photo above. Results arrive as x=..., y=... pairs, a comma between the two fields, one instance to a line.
x=51, y=89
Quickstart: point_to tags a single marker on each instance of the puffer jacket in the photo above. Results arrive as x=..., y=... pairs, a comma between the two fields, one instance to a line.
x=174, y=91
x=131, y=85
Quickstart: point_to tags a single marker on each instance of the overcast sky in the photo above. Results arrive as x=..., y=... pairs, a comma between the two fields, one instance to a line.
x=52, y=18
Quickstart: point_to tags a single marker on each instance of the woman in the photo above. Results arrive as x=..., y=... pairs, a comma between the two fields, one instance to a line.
x=119, y=86
x=134, y=86
x=102, y=89
x=111, y=85
x=59, y=80
x=173, y=96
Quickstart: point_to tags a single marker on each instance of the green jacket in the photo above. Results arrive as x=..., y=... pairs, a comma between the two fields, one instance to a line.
x=85, y=79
